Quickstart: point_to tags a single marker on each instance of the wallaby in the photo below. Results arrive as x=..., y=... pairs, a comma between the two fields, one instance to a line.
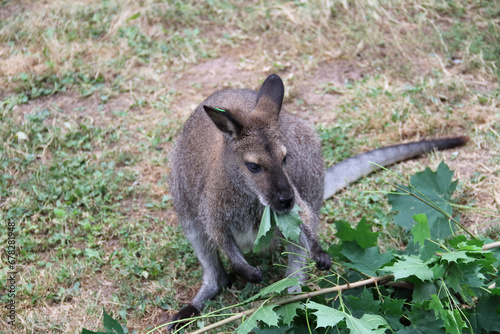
x=239, y=152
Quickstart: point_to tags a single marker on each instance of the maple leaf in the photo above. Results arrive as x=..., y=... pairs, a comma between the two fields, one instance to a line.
x=429, y=191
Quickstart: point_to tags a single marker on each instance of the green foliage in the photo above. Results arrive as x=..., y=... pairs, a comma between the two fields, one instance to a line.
x=326, y=316
x=420, y=230
x=410, y=267
x=111, y=326
x=429, y=193
x=265, y=314
x=439, y=283
x=288, y=311
x=363, y=235
x=266, y=230
x=276, y=287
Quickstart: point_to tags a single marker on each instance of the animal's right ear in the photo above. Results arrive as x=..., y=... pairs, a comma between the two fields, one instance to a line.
x=227, y=122
x=270, y=96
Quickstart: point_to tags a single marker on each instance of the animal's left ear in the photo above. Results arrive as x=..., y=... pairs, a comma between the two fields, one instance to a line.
x=227, y=122
x=270, y=96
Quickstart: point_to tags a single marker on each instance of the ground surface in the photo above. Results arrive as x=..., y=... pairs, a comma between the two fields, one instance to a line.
x=93, y=93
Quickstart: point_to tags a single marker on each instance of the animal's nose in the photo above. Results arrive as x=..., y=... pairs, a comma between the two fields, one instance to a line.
x=286, y=200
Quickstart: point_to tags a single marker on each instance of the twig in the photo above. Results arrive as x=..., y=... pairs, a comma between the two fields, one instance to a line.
x=492, y=245
x=296, y=298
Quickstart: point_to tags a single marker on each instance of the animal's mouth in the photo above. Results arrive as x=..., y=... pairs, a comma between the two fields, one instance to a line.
x=283, y=204
x=278, y=209
x=282, y=211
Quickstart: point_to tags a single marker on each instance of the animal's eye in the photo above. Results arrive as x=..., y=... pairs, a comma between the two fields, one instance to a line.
x=254, y=168
x=284, y=159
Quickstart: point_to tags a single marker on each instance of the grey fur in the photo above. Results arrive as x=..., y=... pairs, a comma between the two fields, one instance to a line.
x=219, y=200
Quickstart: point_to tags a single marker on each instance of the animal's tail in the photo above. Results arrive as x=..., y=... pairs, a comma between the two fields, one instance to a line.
x=352, y=169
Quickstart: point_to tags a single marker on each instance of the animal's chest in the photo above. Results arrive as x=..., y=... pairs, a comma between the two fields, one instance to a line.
x=244, y=224
x=245, y=239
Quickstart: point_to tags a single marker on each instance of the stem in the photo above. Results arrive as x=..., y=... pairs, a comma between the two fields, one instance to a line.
x=296, y=298
x=492, y=245
x=307, y=320
x=440, y=244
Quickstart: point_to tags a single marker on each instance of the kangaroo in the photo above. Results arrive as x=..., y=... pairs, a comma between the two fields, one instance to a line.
x=239, y=152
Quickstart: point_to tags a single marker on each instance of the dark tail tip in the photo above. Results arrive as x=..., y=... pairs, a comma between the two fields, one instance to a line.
x=445, y=143
x=462, y=139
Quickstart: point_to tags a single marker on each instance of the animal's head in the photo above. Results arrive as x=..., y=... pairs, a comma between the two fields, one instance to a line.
x=254, y=152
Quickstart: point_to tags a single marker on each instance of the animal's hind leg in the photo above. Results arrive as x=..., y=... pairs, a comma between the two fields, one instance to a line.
x=214, y=277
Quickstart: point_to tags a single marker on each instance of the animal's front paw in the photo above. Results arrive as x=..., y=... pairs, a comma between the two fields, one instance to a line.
x=323, y=261
x=184, y=313
x=251, y=274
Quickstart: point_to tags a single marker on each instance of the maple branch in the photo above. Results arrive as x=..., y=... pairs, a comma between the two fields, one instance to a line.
x=296, y=298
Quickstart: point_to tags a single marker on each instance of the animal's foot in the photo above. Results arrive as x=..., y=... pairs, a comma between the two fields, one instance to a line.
x=323, y=260
x=251, y=274
x=184, y=313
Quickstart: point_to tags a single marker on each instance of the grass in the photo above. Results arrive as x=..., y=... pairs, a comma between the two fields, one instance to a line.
x=93, y=93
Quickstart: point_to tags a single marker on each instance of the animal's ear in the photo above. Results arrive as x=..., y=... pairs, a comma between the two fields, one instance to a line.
x=225, y=121
x=270, y=96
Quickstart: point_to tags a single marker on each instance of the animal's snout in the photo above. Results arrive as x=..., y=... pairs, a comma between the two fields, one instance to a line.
x=286, y=201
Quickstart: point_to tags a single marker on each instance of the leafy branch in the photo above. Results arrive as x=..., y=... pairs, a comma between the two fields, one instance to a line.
x=293, y=299
x=278, y=300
